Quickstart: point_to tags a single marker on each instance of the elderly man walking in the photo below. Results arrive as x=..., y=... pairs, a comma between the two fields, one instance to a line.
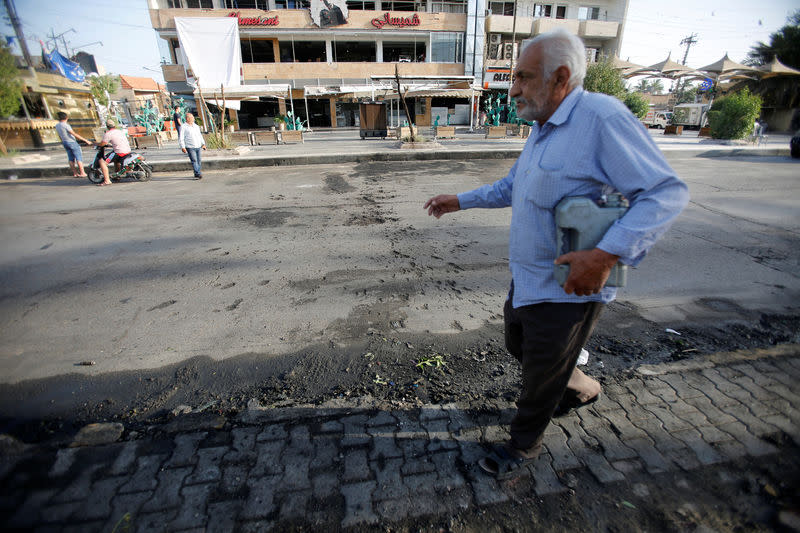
x=583, y=144
x=191, y=141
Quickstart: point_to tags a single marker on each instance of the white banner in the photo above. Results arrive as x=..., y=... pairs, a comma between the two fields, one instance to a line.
x=212, y=49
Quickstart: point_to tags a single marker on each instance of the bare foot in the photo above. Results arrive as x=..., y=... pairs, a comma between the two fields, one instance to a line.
x=104, y=184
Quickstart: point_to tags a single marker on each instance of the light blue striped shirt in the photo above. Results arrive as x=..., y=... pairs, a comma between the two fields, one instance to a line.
x=592, y=145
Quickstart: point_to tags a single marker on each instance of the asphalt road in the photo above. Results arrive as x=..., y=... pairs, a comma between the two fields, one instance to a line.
x=269, y=260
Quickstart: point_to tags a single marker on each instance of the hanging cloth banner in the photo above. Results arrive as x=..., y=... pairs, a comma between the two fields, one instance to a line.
x=69, y=69
x=212, y=49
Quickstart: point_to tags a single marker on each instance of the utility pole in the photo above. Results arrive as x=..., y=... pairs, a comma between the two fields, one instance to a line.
x=12, y=14
x=513, y=45
x=688, y=41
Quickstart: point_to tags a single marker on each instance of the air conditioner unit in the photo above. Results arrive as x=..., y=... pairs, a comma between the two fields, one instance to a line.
x=495, y=38
x=508, y=50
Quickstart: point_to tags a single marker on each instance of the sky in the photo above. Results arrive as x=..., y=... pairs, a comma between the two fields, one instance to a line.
x=654, y=29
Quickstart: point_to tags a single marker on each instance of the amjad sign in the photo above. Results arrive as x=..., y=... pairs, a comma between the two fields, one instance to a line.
x=389, y=20
x=254, y=21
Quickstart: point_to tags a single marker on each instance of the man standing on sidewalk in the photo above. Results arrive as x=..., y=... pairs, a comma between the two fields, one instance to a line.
x=583, y=144
x=191, y=141
x=69, y=139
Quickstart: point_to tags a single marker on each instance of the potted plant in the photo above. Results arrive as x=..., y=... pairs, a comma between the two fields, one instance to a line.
x=280, y=122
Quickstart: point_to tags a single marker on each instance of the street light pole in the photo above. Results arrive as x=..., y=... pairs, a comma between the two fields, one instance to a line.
x=513, y=44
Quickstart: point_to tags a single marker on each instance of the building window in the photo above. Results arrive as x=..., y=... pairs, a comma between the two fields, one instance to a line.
x=588, y=13
x=247, y=4
x=354, y=51
x=447, y=47
x=542, y=10
x=561, y=12
x=361, y=5
x=257, y=51
x=451, y=6
x=406, y=52
x=302, y=51
x=402, y=5
x=292, y=4
x=196, y=4
x=502, y=8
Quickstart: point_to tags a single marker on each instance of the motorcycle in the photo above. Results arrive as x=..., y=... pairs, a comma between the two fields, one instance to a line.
x=133, y=166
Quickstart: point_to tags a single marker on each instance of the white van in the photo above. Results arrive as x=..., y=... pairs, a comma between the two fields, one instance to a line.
x=657, y=119
x=690, y=115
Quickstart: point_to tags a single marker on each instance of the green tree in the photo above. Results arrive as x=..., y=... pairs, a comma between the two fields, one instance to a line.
x=733, y=116
x=784, y=43
x=602, y=77
x=637, y=103
x=10, y=84
x=103, y=86
x=685, y=94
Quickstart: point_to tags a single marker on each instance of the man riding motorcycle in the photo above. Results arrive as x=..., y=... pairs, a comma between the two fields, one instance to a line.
x=120, y=146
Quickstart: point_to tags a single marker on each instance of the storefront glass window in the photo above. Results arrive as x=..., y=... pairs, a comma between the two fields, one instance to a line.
x=361, y=5
x=247, y=4
x=257, y=51
x=205, y=4
x=447, y=47
x=407, y=52
x=354, y=51
x=302, y=51
x=449, y=6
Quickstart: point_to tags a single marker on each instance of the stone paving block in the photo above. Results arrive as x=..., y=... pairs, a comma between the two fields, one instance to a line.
x=663, y=390
x=622, y=425
x=273, y=432
x=589, y=418
x=222, y=516
x=641, y=390
x=432, y=412
x=653, y=460
x=184, y=453
x=59, y=513
x=358, y=504
x=761, y=395
x=394, y=509
x=294, y=505
x=243, y=448
x=754, y=446
x=356, y=467
x=28, y=513
x=389, y=481
x=326, y=452
x=459, y=423
x=446, y=464
x=125, y=462
x=680, y=407
x=599, y=466
x=65, y=458
x=786, y=425
x=234, y=480
x=98, y=504
x=670, y=421
x=613, y=448
x=331, y=426
x=256, y=526
x=712, y=413
x=167, y=492
x=194, y=507
x=300, y=440
x=83, y=527
x=154, y=522
x=561, y=455
x=712, y=434
x=628, y=466
x=420, y=483
x=759, y=378
x=296, y=472
x=147, y=466
x=605, y=403
x=732, y=449
x=123, y=504
x=577, y=438
x=413, y=447
x=385, y=447
x=269, y=458
x=383, y=418
x=208, y=465
x=684, y=458
x=471, y=451
x=419, y=464
x=495, y=433
x=717, y=396
x=694, y=440
x=324, y=485
x=683, y=389
x=787, y=394
x=486, y=491
x=754, y=424
x=261, y=497
x=546, y=479
x=724, y=384
x=439, y=436
x=80, y=487
x=661, y=438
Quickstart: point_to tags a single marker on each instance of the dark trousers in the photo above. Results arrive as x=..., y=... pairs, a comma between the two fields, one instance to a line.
x=194, y=157
x=546, y=339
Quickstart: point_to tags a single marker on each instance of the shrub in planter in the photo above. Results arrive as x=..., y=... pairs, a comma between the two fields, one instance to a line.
x=636, y=103
x=733, y=116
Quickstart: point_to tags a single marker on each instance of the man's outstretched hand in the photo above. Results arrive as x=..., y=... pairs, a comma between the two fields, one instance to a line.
x=588, y=270
x=444, y=203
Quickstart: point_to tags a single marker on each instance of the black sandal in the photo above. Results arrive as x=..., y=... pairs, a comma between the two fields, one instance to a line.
x=503, y=464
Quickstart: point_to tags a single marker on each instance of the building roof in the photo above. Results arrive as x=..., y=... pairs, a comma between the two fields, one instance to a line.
x=138, y=84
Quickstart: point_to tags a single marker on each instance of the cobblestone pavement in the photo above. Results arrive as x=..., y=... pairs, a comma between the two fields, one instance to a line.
x=358, y=466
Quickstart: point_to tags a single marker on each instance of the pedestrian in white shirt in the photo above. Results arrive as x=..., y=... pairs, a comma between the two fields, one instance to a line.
x=191, y=141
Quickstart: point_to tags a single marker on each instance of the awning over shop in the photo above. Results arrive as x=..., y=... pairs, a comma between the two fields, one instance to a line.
x=246, y=92
x=437, y=93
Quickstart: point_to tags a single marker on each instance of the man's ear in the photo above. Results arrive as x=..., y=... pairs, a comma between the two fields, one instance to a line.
x=561, y=77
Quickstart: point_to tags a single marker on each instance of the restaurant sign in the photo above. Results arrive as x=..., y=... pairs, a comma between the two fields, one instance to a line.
x=388, y=20
x=254, y=21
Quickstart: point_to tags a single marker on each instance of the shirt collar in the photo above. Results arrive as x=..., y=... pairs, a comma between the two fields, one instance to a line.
x=564, y=109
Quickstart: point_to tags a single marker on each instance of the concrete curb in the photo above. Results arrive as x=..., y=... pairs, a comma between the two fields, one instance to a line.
x=227, y=163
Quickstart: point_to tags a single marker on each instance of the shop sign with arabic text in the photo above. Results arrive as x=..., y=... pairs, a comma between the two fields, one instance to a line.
x=388, y=20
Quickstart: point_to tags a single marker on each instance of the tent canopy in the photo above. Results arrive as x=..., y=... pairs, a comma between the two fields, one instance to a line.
x=776, y=68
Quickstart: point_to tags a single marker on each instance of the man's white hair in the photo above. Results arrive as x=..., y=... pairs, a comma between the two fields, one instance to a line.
x=559, y=47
